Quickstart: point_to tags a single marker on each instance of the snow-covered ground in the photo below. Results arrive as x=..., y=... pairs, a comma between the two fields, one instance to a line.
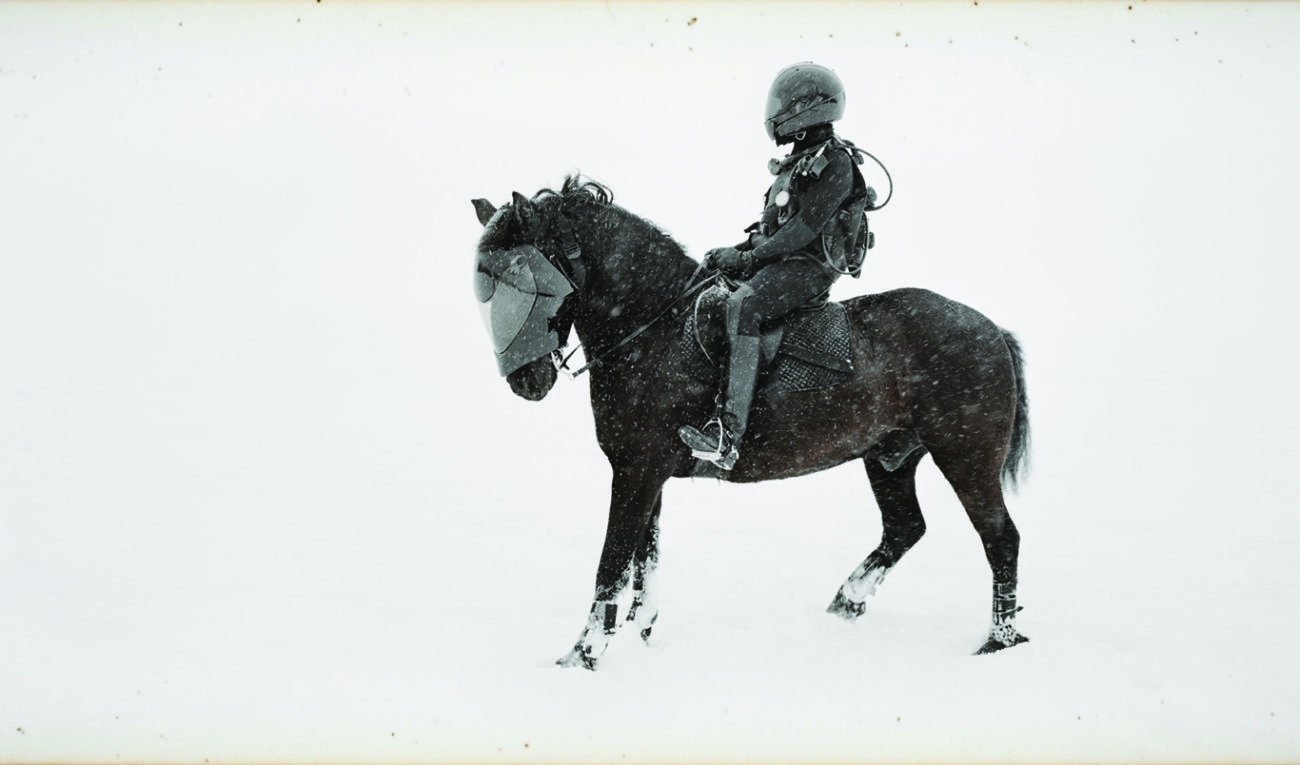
x=263, y=495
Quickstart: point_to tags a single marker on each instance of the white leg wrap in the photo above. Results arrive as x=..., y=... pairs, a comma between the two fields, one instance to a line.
x=647, y=609
x=1004, y=632
x=863, y=582
x=601, y=623
x=645, y=599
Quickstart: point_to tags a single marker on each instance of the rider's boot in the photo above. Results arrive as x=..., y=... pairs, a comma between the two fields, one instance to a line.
x=718, y=441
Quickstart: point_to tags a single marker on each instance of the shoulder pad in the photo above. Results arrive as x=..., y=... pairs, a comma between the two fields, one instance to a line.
x=813, y=164
x=817, y=165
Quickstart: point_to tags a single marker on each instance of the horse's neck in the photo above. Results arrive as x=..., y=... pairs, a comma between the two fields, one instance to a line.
x=634, y=272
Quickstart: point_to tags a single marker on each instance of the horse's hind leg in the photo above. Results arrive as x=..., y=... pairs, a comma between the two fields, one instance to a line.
x=903, y=526
x=980, y=491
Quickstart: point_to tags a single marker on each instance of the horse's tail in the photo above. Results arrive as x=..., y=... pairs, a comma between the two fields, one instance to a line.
x=1017, y=462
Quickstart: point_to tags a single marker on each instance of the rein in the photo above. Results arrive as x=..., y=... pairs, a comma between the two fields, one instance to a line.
x=562, y=362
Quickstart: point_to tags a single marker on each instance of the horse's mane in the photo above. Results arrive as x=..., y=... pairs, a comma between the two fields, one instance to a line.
x=575, y=188
x=578, y=191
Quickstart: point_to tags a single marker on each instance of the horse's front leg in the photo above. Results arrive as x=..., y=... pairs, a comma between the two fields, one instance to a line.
x=634, y=499
x=645, y=603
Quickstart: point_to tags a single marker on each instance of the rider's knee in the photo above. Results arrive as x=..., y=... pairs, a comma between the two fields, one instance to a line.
x=742, y=318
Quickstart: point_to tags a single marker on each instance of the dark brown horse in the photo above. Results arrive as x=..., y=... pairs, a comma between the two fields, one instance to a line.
x=931, y=376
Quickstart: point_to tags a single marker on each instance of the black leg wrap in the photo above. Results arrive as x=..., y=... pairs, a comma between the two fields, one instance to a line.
x=1004, y=601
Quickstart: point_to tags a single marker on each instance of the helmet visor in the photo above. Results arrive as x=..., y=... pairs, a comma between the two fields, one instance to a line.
x=803, y=95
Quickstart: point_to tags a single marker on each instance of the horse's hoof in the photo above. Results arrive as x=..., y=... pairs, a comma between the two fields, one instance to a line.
x=995, y=644
x=646, y=627
x=577, y=658
x=846, y=609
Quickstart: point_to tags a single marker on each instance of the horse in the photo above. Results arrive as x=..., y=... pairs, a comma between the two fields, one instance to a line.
x=930, y=376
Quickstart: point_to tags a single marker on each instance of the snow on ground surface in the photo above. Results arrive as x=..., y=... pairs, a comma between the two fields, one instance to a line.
x=263, y=496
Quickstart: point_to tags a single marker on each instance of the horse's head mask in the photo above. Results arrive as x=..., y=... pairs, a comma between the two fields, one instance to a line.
x=520, y=293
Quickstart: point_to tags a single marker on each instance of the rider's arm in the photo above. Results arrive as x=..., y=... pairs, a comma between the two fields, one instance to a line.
x=816, y=207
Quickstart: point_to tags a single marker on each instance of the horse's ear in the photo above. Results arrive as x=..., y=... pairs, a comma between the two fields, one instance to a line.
x=484, y=209
x=525, y=211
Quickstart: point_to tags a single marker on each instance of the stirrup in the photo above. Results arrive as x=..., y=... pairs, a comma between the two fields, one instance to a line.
x=720, y=451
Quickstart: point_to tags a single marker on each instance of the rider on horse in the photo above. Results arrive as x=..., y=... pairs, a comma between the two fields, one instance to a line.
x=812, y=231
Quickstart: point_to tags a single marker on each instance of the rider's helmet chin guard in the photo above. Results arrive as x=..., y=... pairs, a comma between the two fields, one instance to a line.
x=519, y=293
x=802, y=96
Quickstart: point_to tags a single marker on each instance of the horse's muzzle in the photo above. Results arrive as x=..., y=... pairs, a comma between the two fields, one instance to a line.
x=533, y=380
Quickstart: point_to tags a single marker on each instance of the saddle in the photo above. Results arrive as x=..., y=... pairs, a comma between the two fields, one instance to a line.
x=809, y=350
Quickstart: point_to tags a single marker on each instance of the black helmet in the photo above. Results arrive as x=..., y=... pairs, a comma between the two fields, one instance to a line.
x=802, y=95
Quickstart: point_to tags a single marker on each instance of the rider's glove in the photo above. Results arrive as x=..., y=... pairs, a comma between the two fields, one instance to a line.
x=729, y=260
